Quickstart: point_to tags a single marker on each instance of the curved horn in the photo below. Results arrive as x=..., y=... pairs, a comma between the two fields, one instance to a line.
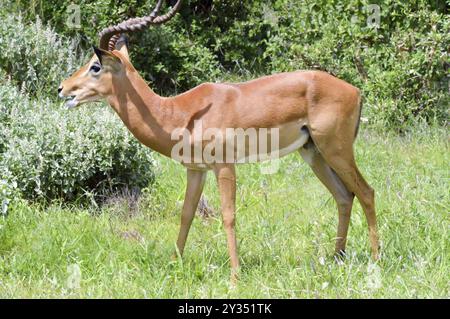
x=110, y=35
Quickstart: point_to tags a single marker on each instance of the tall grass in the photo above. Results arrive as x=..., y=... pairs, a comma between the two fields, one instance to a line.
x=286, y=225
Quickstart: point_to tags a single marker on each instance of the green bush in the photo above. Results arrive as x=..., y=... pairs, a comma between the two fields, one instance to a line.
x=34, y=56
x=51, y=153
x=174, y=64
x=47, y=152
x=401, y=65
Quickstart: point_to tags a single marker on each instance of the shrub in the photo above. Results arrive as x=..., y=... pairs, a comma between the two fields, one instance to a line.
x=34, y=56
x=401, y=66
x=175, y=63
x=51, y=153
x=47, y=152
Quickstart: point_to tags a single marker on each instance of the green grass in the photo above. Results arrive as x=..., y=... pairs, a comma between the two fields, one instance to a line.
x=286, y=227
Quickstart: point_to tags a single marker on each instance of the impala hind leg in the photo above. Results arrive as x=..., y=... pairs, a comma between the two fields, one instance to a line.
x=194, y=188
x=342, y=196
x=338, y=153
x=226, y=179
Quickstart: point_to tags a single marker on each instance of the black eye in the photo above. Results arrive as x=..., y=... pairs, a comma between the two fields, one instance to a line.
x=95, y=68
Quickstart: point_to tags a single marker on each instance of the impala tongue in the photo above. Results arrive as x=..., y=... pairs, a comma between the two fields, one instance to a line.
x=71, y=103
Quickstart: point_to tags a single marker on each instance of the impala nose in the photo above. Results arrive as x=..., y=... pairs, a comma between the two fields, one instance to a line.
x=60, y=90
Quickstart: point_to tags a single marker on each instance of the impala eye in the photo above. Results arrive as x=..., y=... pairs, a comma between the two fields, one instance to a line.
x=95, y=68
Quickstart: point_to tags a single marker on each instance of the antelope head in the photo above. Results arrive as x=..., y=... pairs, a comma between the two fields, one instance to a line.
x=94, y=81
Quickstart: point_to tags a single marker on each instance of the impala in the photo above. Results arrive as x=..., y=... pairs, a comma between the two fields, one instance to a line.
x=313, y=112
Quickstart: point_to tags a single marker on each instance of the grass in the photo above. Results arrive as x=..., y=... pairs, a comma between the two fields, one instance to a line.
x=286, y=227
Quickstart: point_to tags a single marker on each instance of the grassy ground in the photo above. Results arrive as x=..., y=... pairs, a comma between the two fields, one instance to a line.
x=286, y=228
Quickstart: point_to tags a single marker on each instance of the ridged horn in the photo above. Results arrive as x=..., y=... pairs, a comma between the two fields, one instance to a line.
x=110, y=35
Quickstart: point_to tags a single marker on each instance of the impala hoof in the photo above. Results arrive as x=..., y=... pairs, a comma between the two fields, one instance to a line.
x=340, y=256
x=234, y=278
x=376, y=256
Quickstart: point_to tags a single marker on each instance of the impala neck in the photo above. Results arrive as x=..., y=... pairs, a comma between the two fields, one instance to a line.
x=144, y=112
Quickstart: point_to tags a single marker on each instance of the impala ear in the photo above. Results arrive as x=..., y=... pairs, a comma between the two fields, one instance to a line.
x=105, y=57
x=122, y=46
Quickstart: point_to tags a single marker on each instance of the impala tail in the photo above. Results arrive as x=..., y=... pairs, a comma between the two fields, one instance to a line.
x=360, y=105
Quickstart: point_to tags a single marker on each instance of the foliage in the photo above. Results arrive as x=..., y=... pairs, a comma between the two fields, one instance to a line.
x=401, y=64
x=51, y=153
x=47, y=152
x=34, y=56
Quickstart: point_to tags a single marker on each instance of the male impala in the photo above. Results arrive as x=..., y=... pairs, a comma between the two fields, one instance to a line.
x=314, y=113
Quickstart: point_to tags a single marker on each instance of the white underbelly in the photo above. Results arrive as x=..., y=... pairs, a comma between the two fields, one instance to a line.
x=284, y=147
x=297, y=144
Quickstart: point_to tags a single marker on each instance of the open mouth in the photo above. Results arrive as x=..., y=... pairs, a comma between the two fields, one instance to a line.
x=71, y=101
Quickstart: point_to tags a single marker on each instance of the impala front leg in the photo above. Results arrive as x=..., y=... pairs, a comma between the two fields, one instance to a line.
x=194, y=188
x=226, y=178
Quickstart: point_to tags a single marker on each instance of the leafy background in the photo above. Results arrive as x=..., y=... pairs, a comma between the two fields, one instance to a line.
x=401, y=66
